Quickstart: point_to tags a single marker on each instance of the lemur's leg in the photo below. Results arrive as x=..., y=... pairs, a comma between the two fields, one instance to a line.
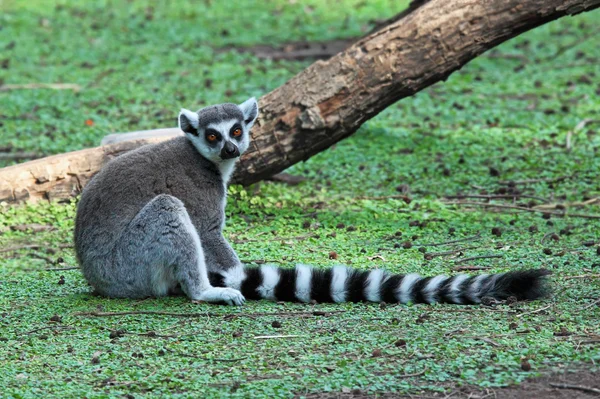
x=221, y=260
x=219, y=255
x=162, y=241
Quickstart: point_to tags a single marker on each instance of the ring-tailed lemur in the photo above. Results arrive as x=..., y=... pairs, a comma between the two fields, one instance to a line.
x=150, y=223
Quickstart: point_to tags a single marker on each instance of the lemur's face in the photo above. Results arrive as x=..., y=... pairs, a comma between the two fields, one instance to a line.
x=220, y=132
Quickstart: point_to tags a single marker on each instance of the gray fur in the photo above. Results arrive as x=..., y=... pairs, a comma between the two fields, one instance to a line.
x=219, y=113
x=150, y=222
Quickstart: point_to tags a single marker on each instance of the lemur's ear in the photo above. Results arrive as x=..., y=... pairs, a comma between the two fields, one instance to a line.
x=250, y=110
x=188, y=121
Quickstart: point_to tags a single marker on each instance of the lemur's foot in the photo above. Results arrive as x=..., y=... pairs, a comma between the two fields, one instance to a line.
x=217, y=294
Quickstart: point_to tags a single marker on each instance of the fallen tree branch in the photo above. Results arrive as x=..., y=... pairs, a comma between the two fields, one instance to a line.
x=331, y=99
x=61, y=176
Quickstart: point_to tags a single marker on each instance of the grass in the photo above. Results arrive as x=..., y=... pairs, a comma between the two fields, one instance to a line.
x=505, y=116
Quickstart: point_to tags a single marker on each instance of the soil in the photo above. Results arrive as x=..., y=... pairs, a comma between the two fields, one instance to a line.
x=535, y=388
x=305, y=50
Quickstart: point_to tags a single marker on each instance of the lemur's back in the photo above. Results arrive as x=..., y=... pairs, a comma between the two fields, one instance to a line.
x=126, y=184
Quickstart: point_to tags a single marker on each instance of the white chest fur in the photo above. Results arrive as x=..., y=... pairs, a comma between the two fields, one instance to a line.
x=226, y=168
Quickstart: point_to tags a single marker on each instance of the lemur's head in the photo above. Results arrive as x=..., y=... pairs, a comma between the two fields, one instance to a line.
x=220, y=132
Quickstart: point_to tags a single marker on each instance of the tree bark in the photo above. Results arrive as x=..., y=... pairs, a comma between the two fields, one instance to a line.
x=331, y=99
x=59, y=177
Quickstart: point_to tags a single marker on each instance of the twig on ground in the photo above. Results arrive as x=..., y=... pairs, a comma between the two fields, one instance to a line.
x=287, y=178
x=60, y=269
x=568, y=141
x=563, y=49
x=429, y=255
x=15, y=156
x=45, y=328
x=42, y=257
x=469, y=268
x=471, y=238
x=486, y=340
x=297, y=238
x=17, y=248
x=412, y=375
x=477, y=257
x=546, y=236
x=206, y=314
x=582, y=276
x=497, y=196
x=385, y=197
x=521, y=208
x=259, y=261
x=591, y=305
x=152, y=334
x=276, y=336
x=33, y=227
x=99, y=77
x=575, y=387
x=535, y=311
x=591, y=201
x=117, y=384
x=517, y=57
x=529, y=181
x=467, y=309
x=32, y=246
x=29, y=86
x=584, y=123
x=216, y=359
x=590, y=342
x=234, y=237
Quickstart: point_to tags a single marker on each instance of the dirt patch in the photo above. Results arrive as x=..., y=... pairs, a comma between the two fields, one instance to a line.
x=563, y=386
x=320, y=50
x=577, y=385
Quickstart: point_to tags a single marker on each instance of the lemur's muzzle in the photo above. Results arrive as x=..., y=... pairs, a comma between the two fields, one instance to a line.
x=229, y=151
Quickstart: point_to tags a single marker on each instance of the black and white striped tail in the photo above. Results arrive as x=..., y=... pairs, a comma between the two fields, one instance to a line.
x=342, y=284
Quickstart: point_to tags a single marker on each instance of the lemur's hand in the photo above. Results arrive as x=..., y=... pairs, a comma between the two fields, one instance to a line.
x=217, y=294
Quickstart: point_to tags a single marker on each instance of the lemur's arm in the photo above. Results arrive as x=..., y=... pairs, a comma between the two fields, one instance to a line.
x=218, y=253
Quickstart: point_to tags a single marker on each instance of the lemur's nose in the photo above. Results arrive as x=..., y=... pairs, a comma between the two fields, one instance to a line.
x=230, y=150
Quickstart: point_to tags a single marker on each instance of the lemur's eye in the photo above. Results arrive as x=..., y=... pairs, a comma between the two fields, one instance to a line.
x=237, y=132
x=211, y=137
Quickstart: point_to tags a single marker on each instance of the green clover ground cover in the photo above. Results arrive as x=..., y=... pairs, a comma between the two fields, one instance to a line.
x=506, y=116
